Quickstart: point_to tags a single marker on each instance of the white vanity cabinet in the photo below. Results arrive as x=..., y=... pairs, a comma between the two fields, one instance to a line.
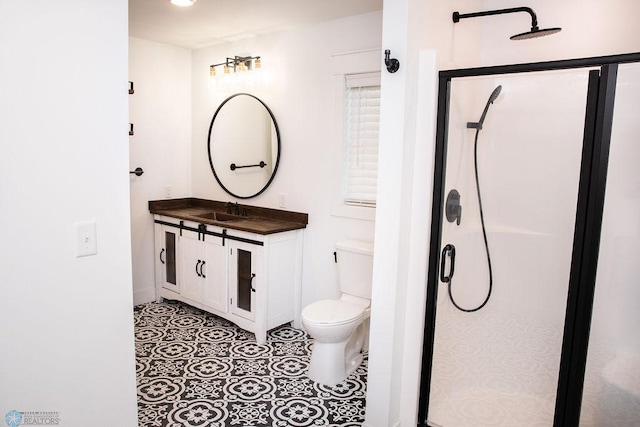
x=251, y=279
x=203, y=268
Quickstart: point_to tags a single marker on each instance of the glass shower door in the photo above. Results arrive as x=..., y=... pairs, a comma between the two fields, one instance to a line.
x=612, y=379
x=497, y=364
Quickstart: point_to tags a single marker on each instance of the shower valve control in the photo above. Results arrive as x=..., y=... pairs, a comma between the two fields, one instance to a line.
x=453, y=209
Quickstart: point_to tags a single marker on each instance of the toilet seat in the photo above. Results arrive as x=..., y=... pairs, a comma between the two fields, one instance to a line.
x=332, y=312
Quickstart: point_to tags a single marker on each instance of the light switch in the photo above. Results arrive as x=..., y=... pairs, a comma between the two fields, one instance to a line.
x=86, y=242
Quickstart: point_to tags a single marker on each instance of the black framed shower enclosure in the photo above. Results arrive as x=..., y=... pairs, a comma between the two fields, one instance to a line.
x=543, y=169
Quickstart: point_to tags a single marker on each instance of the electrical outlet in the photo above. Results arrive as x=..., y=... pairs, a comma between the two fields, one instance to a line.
x=283, y=200
x=167, y=191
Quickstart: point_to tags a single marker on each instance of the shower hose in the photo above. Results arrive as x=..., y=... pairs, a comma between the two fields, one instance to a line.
x=484, y=235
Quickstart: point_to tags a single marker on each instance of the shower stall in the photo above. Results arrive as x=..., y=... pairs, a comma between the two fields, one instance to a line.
x=533, y=288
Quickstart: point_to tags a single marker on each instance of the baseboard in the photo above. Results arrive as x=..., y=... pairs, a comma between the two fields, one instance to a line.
x=366, y=424
x=144, y=296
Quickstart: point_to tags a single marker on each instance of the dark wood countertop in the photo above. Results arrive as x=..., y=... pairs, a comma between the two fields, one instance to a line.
x=252, y=219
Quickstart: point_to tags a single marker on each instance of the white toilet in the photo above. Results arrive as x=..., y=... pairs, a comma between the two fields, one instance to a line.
x=340, y=328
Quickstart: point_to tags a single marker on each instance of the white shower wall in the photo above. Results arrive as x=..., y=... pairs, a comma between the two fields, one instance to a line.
x=529, y=154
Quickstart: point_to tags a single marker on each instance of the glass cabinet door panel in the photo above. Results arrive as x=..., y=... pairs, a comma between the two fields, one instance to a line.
x=244, y=280
x=170, y=263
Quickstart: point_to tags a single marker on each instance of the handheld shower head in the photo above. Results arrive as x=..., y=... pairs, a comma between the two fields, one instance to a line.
x=494, y=95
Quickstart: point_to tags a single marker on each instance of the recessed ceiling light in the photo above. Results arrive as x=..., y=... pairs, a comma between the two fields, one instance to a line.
x=183, y=2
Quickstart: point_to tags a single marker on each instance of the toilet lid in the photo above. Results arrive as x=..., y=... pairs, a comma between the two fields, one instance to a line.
x=331, y=311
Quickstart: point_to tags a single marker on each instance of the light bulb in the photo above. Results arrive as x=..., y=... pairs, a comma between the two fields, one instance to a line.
x=257, y=64
x=183, y=2
x=212, y=71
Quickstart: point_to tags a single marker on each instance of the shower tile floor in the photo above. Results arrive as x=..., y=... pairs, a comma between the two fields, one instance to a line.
x=500, y=369
x=196, y=369
x=493, y=369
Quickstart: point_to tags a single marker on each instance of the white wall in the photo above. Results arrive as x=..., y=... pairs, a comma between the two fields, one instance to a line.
x=67, y=323
x=590, y=28
x=160, y=110
x=300, y=94
x=529, y=154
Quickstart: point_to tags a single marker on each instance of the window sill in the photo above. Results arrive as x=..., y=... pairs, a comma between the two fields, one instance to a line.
x=354, y=212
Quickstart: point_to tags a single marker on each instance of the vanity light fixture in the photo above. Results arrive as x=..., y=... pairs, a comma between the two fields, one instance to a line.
x=237, y=64
x=183, y=2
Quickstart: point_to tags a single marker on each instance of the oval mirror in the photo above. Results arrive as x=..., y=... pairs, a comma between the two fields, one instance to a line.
x=244, y=146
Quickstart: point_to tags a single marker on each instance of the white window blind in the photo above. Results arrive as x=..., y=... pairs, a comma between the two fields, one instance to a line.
x=360, y=155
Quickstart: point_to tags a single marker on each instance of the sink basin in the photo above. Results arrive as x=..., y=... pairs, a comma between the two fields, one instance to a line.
x=218, y=216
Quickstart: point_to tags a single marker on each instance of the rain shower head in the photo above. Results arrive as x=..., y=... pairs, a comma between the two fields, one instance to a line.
x=536, y=32
x=533, y=33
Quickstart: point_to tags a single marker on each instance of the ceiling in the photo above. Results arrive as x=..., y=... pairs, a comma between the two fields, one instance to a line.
x=210, y=22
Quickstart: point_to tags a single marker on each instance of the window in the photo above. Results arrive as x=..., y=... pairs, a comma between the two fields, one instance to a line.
x=355, y=133
x=360, y=140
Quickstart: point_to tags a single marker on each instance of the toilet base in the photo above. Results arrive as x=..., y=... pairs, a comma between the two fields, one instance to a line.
x=328, y=364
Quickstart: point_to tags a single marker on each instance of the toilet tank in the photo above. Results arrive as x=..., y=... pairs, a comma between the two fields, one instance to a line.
x=355, y=267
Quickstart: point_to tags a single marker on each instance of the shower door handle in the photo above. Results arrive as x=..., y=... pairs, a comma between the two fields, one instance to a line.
x=447, y=250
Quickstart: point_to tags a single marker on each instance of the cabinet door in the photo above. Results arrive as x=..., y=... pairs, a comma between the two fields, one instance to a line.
x=159, y=255
x=242, y=279
x=168, y=258
x=191, y=266
x=214, y=274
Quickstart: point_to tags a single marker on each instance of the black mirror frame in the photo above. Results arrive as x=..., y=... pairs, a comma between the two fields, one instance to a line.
x=275, y=168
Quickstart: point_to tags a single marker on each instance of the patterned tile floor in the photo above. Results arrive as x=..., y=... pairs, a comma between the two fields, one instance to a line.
x=196, y=369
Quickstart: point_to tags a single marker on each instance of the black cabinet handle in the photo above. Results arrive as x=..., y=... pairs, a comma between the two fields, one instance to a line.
x=251, y=282
x=448, y=250
x=161, y=252
x=198, y=265
x=202, y=272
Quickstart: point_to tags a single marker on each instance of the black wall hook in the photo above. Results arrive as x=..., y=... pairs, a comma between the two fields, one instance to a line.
x=137, y=172
x=391, y=63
